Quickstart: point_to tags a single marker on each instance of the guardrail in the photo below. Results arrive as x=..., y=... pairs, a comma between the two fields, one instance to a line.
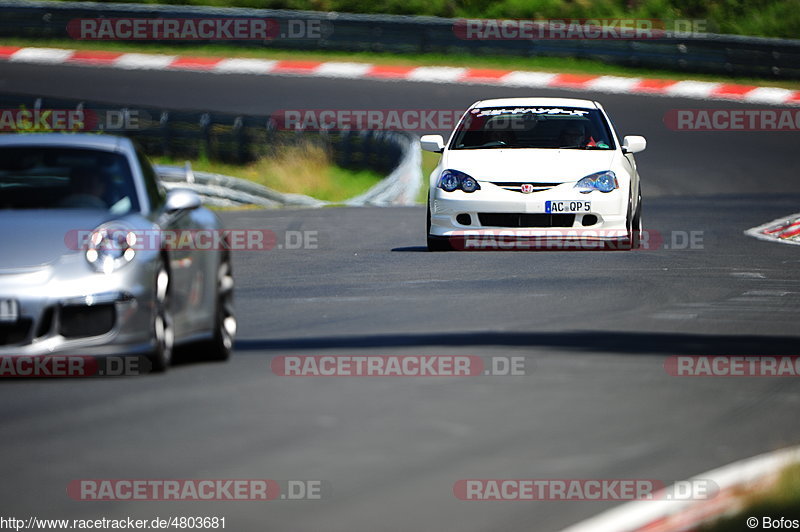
x=706, y=53
x=225, y=191
x=241, y=139
x=400, y=187
x=224, y=137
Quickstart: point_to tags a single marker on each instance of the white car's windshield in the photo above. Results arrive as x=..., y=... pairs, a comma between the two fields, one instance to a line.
x=533, y=127
x=65, y=178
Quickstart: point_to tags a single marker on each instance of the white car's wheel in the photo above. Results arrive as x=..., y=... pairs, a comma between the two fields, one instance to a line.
x=436, y=243
x=636, y=224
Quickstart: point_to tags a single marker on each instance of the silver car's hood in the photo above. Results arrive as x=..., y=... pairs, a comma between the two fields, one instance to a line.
x=36, y=238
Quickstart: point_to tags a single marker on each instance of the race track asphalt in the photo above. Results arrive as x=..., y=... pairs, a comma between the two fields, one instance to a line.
x=594, y=328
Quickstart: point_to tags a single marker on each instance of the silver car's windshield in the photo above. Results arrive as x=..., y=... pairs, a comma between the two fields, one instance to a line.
x=65, y=178
x=533, y=127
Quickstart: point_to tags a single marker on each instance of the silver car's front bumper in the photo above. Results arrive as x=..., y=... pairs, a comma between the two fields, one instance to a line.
x=91, y=314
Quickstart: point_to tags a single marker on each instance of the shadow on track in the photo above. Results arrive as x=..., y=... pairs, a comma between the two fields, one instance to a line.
x=412, y=249
x=611, y=342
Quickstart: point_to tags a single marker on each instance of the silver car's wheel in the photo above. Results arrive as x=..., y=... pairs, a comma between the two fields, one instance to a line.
x=163, y=331
x=220, y=346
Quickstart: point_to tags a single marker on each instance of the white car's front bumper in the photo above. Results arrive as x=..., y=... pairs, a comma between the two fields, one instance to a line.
x=493, y=207
x=494, y=217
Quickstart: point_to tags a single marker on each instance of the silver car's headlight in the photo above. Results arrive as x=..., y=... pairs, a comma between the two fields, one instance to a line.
x=451, y=180
x=602, y=181
x=110, y=247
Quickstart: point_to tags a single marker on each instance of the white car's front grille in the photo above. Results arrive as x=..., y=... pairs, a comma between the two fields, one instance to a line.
x=534, y=187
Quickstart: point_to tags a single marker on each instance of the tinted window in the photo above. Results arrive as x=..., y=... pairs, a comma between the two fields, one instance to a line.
x=65, y=178
x=533, y=127
x=155, y=193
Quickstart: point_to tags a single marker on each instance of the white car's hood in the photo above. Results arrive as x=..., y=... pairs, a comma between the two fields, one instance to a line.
x=529, y=165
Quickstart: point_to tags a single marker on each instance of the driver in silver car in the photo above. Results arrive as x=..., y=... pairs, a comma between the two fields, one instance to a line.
x=88, y=189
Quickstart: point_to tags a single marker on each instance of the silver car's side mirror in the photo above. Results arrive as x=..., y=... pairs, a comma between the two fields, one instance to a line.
x=633, y=144
x=181, y=199
x=434, y=143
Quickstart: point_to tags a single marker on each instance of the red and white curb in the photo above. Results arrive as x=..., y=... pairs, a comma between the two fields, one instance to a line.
x=736, y=481
x=785, y=230
x=433, y=74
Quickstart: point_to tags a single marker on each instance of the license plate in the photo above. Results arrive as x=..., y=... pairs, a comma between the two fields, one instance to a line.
x=554, y=207
x=9, y=311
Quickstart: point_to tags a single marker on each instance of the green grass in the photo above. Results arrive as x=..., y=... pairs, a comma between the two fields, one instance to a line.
x=541, y=64
x=783, y=500
x=768, y=18
x=429, y=162
x=305, y=169
x=335, y=184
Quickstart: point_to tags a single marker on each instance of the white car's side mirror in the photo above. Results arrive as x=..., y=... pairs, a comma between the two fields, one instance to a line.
x=434, y=143
x=633, y=144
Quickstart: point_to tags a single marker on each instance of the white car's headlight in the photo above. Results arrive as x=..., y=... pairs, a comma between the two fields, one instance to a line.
x=451, y=180
x=110, y=247
x=602, y=181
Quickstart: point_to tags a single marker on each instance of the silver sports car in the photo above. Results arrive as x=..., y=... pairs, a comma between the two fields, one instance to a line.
x=97, y=259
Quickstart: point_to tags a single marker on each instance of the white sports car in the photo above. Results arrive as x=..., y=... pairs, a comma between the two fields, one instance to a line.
x=531, y=173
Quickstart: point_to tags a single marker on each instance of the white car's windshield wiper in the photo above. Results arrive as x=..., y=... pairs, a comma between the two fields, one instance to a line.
x=582, y=148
